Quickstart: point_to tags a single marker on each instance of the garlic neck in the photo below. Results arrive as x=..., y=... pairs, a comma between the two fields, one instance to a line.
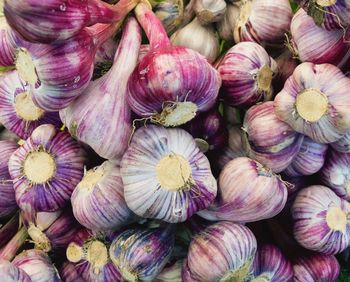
x=40, y=239
x=26, y=109
x=237, y=275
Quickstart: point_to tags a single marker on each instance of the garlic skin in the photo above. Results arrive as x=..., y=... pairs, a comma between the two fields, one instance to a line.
x=247, y=192
x=37, y=265
x=170, y=164
x=69, y=273
x=209, y=11
x=316, y=267
x=98, y=200
x=269, y=140
x=89, y=253
x=315, y=44
x=232, y=245
x=42, y=66
x=255, y=24
x=18, y=112
x=343, y=144
x=171, y=84
x=11, y=273
x=226, y=25
x=106, y=51
x=54, y=20
x=102, y=109
x=309, y=159
x=7, y=44
x=321, y=220
x=140, y=255
x=171, y=273
x=7, y=195
x=315, y=102
x=170, y=13
x=336, y=173
x=198, y=37
x=46, y=169
x=271, y=265
x=246, y=72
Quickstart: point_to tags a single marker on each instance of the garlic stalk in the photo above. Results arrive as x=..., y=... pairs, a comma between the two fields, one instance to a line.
x=198, y=37
x=52, y=20
x=246, y=71
x=46, y=169
x=226, y=25
x=321, y=220
x=315, y=101
x=9, y=251
x=177, y=175
x=11, y=273
x=166, y=86
x=209, y=11
x=18, y=112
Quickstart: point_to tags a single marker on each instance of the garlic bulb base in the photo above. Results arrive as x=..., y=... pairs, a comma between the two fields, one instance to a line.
x=311, y=105
x=39, y=167
x=25, y=66
x=237, y=275
x=97, y=255
x=26, y=109
x=176, y=114
x=336, y=219
x=40, y=239
x=74, y=253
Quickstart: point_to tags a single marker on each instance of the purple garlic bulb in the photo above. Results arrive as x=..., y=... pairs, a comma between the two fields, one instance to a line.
x=246, y=72
x=11, y=273
x=18, y=112
x=153, y=248
x=46, y=169
x=321, y=220
x=7, y=43
x=232, y=245
x=171, y=84
x=176, y=173
x=315, y=102
x=69, y=273
x=269, y=140
x=171, y=272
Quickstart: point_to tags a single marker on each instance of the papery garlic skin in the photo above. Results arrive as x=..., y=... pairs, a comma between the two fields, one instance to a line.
x=7, y=44
x=102, y=109
x=171, y=273
x=226, y=25
x=209, y=11
x=140, y=255
x=11, y=273
x=247, y=192
x=177, y=175
x=255, y=21
x=316, y=267
x=106, y=51
x=269, y=140
x=309, y=160
x=18, y=112
x=321, y=220
x=200, y=38
x=315, y=44
x=37, y=265
x=271, y=265
x=232, y=245
x=336, y=173
x=315, y=101
x=46, y=169
x=98, y=200
x=246, y=72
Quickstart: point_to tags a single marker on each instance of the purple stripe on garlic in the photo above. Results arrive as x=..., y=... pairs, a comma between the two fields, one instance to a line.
x=7, y=43
x=11, y=273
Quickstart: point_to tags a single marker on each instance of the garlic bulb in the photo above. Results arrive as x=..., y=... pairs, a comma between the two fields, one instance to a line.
x=11, y=273
x=208, y=11
x=198, y=37
x=270, y=265
x=336, y=173
x=69, y=273
x=269, y=140
x=232, y=245
x=18, y=112
x=315, y=44
x=227, y=24
x=316, y=267
x=7, y=195
x=309, y=159
x=246, y=72
x=89, y=253
x=7, y=44
x=177, y=175
x=255, y=21
x=315, y=101
x=170, y=13
x=9, y=228
x=153, y=248
x=321, y=221
x=46, y=169
x=171, y=273
x=37, y=265
x=98, y=200
x=52, y=20
x=102, y=109
x=171, y=84
x=247, y=192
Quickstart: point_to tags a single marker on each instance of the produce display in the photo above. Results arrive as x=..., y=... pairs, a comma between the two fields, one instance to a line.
x=175, y=140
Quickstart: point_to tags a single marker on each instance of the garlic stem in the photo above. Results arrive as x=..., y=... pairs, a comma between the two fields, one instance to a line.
x=10, y=250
